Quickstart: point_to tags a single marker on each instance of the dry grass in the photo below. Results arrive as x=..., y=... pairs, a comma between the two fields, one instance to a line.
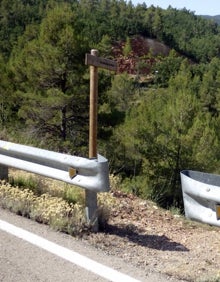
x=47, y=209
x=51, y=202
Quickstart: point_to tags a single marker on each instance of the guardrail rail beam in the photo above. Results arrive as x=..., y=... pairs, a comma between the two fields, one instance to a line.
x=90, y=174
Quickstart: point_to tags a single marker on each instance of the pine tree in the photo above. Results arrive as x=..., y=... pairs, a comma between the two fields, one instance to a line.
x=49, y=74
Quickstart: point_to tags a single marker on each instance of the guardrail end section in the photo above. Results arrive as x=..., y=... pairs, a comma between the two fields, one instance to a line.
x=103, y=184
x=93, y=175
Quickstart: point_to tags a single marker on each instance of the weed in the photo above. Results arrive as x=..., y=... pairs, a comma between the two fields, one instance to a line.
x=27, y=180
x=175, y=211
x=73, y=194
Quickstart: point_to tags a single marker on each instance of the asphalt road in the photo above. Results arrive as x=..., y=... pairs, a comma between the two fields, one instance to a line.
x=24, y=261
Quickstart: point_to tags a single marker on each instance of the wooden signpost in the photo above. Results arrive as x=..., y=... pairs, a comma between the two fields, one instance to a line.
x=94, y=62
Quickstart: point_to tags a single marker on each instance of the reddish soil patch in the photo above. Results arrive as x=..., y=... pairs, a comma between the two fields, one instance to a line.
x=144, y=54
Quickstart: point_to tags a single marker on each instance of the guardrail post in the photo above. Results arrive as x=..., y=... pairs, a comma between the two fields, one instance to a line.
x=91, y=197
x=3, y=172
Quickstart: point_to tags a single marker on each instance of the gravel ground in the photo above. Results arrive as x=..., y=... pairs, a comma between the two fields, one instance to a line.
x=158, y=241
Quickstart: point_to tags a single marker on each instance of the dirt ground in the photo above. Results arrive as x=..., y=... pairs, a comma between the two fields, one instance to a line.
x=158, y=240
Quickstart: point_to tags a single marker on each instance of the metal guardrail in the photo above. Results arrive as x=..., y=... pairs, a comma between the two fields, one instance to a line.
x=201, y=196
x=91, y=174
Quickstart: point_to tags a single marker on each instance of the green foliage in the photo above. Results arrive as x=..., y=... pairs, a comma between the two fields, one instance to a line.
x=6, y=89
x=167, y=68
x=209, y=90
x=73, y=195
x=165, y=133
x=31, y=182
x=15, y=16
x=105, y=47
x=174, y=27
x=122, y=93
x=50, y=84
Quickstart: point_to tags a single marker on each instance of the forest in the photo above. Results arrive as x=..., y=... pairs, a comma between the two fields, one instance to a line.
x=152, y=123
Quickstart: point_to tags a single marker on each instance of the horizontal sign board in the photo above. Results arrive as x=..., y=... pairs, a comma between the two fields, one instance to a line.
x=101, y=62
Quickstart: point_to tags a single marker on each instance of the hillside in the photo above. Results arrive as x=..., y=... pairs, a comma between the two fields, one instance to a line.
x=214, y=18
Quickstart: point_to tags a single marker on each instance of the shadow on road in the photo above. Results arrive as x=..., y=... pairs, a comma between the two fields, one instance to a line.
x=157, y=242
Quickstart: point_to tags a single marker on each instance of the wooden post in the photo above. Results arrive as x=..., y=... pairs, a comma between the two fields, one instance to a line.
x=91, y=197
x=94, y=62
x=93, y=108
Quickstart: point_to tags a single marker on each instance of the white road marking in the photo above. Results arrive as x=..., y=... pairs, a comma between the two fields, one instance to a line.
x=71, y=256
